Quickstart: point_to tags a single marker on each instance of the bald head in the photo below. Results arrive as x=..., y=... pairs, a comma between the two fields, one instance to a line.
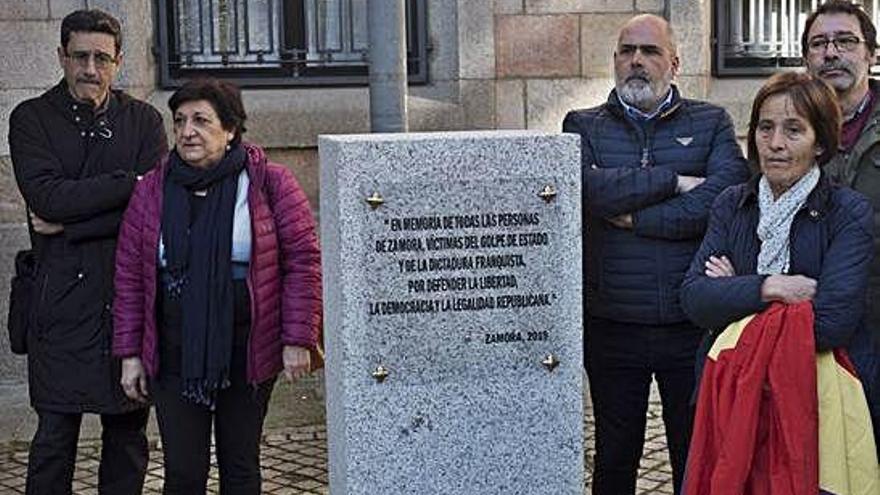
x=645, y=61
x=656, y=25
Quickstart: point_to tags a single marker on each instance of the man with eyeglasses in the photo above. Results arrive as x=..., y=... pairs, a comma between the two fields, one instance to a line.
x=77, y=151
x=653, y=162
x=838, y=45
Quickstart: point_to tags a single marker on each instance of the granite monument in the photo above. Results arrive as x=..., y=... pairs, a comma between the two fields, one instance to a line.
x=453, y=313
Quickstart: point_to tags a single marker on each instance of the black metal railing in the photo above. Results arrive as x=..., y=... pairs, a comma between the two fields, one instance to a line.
x=759, y=37
x=277, y=42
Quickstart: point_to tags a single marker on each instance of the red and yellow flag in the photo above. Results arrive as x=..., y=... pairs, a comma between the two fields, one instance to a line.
x=775, y=417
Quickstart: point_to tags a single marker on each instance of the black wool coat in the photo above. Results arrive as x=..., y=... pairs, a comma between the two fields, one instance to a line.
x=77, y=166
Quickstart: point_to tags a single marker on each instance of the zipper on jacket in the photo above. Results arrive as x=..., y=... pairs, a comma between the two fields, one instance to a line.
x=251, y=359
x=647, y=140
x=255, y=190
x=251, y=365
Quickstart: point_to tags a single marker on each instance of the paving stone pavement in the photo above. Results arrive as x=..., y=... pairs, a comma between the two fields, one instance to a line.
x=294, y=461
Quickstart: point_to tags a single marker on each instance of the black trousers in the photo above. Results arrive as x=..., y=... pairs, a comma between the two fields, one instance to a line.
x=124, y=455
x=186, y=437
x=621, y=359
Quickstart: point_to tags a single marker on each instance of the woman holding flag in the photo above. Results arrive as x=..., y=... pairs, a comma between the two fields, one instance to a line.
x=780, y=279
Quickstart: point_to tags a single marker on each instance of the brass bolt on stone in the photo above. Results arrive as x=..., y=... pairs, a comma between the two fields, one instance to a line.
x=548, y=194
x=550, y=362
x=375, y=200
x=380, y=374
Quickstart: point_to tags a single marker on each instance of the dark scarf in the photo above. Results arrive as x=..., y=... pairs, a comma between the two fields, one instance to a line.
x=198, y=257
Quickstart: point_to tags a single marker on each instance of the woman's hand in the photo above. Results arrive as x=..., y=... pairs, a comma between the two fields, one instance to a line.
x=134, y=379
x=297, y=362
x=719, y=266
x=789, y=289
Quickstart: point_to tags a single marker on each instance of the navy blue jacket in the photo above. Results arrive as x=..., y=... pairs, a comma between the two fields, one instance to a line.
x=629, y=167
x=831, y=241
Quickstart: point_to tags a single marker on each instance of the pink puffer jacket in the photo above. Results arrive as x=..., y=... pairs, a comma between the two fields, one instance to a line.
x=284, y=278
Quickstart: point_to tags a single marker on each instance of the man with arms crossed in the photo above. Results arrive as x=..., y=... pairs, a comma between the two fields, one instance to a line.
x=653, y=162
x=77, y=151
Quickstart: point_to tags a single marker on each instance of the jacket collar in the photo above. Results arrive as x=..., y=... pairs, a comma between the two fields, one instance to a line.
x=846, y=163
x=60, y=95
x=256, y=163
x=675, y=101
x=874, y=86
x=874, y=119
x=819, y=199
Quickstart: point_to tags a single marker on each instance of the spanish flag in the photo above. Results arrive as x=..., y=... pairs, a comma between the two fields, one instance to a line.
x=775, y=417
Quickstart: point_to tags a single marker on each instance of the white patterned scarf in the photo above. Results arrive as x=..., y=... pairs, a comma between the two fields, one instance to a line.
x=774, y=224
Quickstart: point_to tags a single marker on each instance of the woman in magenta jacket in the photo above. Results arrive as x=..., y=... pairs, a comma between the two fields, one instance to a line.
x=217, y=291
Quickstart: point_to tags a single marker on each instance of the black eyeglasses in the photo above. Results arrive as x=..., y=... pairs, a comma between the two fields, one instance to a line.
x=102, y=60
x=841, y=43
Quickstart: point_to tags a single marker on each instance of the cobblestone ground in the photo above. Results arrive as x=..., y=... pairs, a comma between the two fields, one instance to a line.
x=294, y=461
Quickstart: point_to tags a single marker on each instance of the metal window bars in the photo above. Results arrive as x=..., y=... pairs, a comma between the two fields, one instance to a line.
x=758, y=37
x=276, y=42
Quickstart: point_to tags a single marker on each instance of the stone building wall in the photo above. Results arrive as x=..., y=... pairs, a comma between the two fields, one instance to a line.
x=555, y=55
x=493, y=64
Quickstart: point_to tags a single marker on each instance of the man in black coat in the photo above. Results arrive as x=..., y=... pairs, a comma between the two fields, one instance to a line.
x=77, y=151
x=652, y=164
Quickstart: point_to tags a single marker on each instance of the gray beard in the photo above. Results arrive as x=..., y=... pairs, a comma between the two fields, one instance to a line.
x=642, y=95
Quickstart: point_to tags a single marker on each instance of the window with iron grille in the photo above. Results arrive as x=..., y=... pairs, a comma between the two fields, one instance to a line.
x=277, y=42
x=759, y=37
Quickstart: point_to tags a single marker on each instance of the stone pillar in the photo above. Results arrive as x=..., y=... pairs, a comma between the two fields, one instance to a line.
x=692, y=22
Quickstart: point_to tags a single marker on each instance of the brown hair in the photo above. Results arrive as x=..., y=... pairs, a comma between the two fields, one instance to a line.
x=91, y=21
x=869, y=32
x=813, y=100
x=223, y=96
